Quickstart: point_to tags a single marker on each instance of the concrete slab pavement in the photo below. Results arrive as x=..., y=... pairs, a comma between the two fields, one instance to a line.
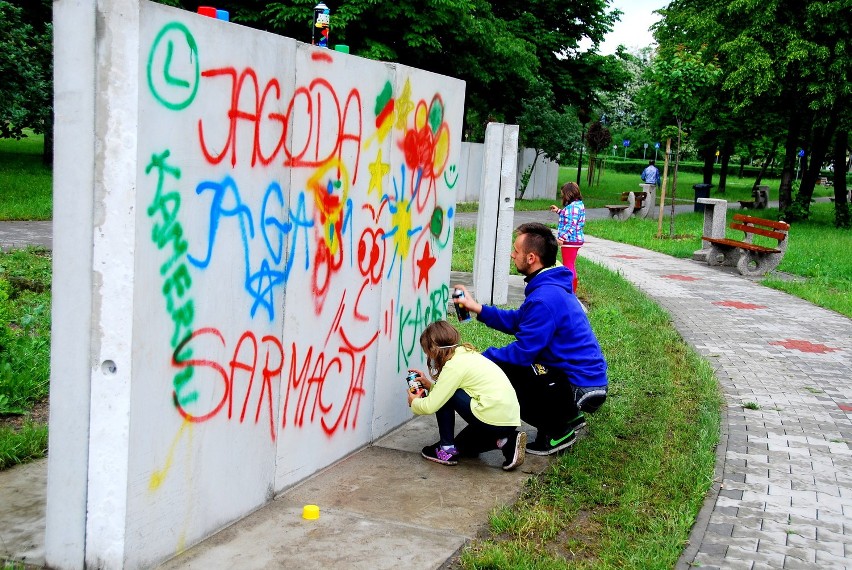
x=22, y=234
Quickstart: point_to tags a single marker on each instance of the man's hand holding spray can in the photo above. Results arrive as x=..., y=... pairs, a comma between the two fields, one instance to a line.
x=461, y=312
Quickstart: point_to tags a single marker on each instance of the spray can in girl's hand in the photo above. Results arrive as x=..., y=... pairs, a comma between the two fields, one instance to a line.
x=461, y=312
x=414, y=384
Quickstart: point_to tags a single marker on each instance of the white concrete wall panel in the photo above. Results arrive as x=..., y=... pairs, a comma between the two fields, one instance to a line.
x=484, y=262
x=332, y=310
x=543, y=180
x=273, y=230
x=70, y=353
x=420, y=205
x=209, y=292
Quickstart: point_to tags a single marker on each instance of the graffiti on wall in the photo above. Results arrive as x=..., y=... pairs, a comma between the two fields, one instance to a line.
x=339, y=197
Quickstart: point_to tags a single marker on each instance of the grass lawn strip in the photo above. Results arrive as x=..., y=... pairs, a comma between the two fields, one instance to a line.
x=627, y=493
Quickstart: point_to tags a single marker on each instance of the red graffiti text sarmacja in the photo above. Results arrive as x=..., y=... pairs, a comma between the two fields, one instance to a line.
x=252, y=380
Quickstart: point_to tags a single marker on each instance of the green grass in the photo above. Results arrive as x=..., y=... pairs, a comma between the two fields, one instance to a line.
x=817, y=251
x=628, y=492
x=612, y=184
x=26, y=185
x=24, y=351
x=23, y=444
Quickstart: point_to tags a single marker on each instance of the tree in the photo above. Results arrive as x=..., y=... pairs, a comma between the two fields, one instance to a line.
x=621, y=109
x=785, y=60
x=25, y=76
x=510, y=52
x=597, y=139
x=677, y=82
x=551, y=132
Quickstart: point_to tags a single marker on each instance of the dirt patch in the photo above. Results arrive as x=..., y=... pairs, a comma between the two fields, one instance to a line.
x=39, y=414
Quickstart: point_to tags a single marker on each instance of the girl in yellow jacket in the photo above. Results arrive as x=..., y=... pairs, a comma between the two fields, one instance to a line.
x=477, y=389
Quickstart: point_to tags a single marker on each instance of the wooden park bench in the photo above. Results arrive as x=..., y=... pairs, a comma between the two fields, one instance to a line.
x=749, y=258
x=637, y=203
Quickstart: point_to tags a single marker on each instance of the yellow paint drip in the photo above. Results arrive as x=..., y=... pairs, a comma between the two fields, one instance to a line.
x=159, y=475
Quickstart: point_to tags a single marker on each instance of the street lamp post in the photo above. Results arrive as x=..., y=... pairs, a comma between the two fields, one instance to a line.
x=613, y=149
x=644, y=150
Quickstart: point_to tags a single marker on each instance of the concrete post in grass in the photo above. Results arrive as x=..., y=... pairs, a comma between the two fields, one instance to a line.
x=715, y=216
x=496, y=214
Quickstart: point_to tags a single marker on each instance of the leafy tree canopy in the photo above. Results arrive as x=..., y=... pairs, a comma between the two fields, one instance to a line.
x=25, y=71
x=509, y=52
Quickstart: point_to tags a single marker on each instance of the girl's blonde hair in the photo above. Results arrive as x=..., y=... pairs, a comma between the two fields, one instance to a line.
x=439, y=341
x=570, y=193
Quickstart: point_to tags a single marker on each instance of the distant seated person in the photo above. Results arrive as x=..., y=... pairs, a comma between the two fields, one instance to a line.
x=651, y=175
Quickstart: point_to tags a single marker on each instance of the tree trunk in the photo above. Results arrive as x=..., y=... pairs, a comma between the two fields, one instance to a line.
x=788, y=170
x=727, y=149
x=767, y=163
x=663, y=187
x=810, y=175
x=590, y=172
x=709, y=154
x=841, y=204
x=674, y=181
x=819, y=147
x=47, y=153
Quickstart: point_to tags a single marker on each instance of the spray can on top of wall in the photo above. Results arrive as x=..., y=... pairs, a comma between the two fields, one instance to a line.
x=414, y=384
x=461, y=312
x=322, y=21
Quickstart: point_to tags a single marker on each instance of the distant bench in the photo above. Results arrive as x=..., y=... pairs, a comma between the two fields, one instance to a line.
x=749, y=258
x=760, y=198
x=638, y=203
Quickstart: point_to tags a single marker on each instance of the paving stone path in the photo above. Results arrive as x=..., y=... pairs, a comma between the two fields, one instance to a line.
x=782, y=497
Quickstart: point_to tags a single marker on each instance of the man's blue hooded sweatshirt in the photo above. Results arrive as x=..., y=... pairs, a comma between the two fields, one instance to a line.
x=550, y=329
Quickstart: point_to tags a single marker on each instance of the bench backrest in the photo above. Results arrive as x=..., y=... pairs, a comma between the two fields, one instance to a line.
x=752, y=225
x=638, y=195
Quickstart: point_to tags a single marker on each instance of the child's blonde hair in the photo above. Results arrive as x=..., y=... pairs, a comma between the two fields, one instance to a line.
x=439, y=341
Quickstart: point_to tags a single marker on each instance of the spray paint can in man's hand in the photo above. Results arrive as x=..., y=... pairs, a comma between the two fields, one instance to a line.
x=414, y=384
x=461, y=312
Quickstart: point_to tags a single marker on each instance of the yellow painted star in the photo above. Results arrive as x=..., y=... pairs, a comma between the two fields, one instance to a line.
x=378, y=170
x=404, y=106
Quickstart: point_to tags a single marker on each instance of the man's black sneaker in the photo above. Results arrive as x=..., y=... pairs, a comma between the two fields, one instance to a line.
x=547, y=445
x=513, y=451
x=577, y=423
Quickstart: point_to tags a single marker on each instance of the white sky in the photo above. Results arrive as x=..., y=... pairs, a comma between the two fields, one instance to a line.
x=632, y=29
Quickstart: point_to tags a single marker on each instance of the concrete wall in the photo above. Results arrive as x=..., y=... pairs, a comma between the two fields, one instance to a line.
x=271, y=230
x=543, y=180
